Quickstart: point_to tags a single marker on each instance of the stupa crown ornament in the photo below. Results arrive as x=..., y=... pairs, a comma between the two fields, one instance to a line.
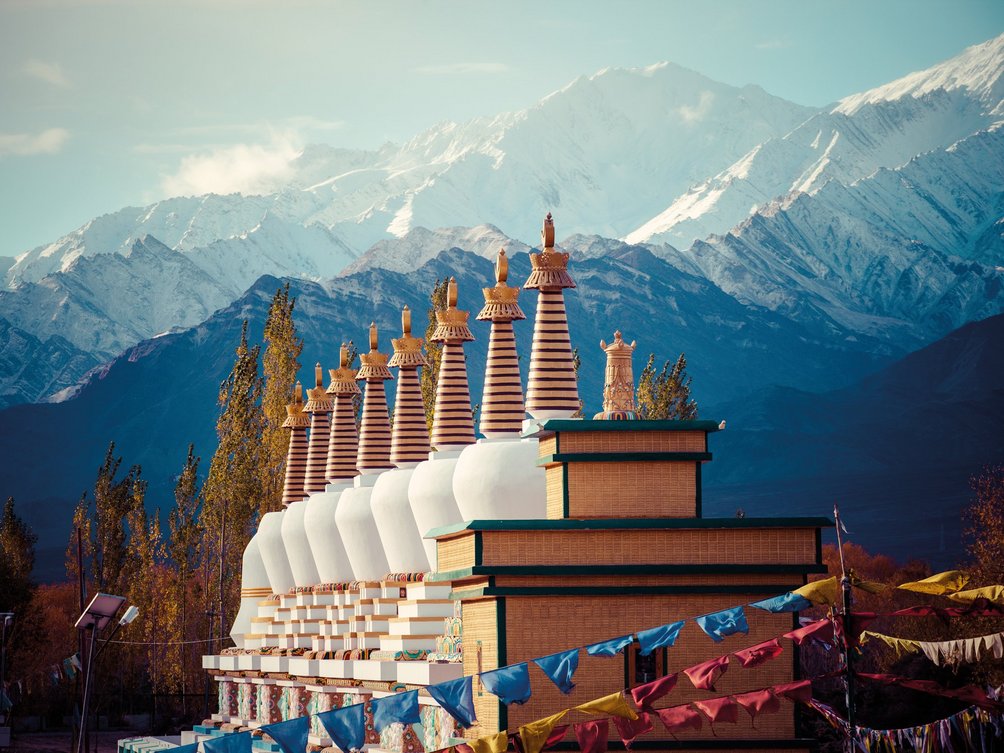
x=317, y=398
x=294, y=410
x=618, y=386
x=501, y=301
x=550, y=267
x=374, y=363
x=343, y=379
x=407, y=349
x=451, y=323
x=297, y=421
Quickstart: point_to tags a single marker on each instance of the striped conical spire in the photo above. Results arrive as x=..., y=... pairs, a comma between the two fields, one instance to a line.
x=410, y=435
x=452, y=422
x=319, y=406
x=296, y=457
x=551, y=391
x=374, y=434
x=343, y=444
x=502, y=409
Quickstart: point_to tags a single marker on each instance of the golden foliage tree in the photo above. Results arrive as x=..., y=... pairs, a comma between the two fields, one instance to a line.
x=17, y=558
x=985, y=526
x=434, y=351
x=665, y=394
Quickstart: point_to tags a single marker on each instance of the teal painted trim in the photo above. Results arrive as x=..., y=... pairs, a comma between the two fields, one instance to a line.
x=592, y=570
x=626, y=524
x=624, y=457
x=699, y=491
x=503, y=656
x=478, y=549
x=754, y=588
x=581, y=424
x=564, y=492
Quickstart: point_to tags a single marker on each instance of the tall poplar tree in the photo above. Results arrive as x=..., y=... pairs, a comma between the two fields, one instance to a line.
x=183, y=550
x=665, y=394
x=280, y=364
x=17, y=558
x=434, y=351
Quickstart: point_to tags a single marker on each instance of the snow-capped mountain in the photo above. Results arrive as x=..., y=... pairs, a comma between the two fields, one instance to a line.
x=882, y=127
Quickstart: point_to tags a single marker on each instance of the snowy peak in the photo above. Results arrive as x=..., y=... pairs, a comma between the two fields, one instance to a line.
x=979, y=70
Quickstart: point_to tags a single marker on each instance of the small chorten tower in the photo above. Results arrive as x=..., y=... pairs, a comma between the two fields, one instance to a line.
x=502, y=409
x=410, y=434
x=343, y=444
x=296, y=457
x=374, y=433
x=551, y=390
x=618, y=386
x=319, y=406
x=452, y=423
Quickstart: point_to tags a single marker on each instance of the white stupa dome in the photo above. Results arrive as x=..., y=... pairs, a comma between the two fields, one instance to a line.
x=294, y=537
x=430, y=494
x=253, y=578
x=499, y=479
x=325, y=541
x=273, y=553
x=395, y=521
x=358, y=530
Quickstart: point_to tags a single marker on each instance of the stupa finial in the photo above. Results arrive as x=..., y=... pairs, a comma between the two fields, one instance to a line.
x=452, y=423
x=502, y=401
x=618, y=387
x=410, y=434
x=343, y=442
x=547, y=233
x=501, y=268
x=374, y=431
x=451, y=324
x=296, y=456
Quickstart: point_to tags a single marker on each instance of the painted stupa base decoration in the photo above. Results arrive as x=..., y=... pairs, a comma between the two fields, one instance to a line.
x=450, y=645
x=618, y=386
x=319, y=406
x=551, y=390
x=296, y=457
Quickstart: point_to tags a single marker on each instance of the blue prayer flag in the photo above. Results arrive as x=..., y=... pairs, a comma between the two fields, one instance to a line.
x=400, y=707
x=291, y=735
x=190, y=748
x=560, y=667
x=664, y=635
x=727, y=622
x=610, y=648
x=239, y=743
x=511, y=684
x=346, y=726
x=457, y=697
x=789, y=602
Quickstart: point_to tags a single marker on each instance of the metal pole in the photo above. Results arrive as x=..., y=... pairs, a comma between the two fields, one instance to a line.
x=82, y=599
x=847, y=621
x=87, y=691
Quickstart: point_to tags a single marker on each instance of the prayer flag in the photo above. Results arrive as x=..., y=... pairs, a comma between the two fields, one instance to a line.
x=629, y=729
x=457, y=697
x=233, y=743
x=799, y=691
x=756, y=655
x=560, y=668
x=993, y=594
x=821, y=630
x=664, y=635
x=719, y=709
x=943, y=583
x=789, y=602
x=758, y=702
x=290, y=735
x=511, y=684
x=613, y=704
x=645, y=695
x=718, y=625
x=497, y=743
x=704, y=675
x=611, y=647
x=679, y=718
x=346, y=726
x=400, y=707
x=826, y=591
x=592, y=736
x=534, y=735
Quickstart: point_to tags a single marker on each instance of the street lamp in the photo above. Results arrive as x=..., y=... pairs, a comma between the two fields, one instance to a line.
x=96, y=616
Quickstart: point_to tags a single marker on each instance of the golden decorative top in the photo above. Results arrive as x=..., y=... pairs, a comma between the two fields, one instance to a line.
x=501, y=302
x=407, y=349
x=550, y=267
x=451, y=324
x=295, y=417
x=317, y=399
x=343, y=379
x=374, y=363
x=618, y=388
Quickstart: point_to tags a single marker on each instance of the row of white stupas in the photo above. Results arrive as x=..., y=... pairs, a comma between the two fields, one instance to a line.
x=358, y=505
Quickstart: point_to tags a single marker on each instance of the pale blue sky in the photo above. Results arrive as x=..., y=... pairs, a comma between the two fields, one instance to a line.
x=101, y=101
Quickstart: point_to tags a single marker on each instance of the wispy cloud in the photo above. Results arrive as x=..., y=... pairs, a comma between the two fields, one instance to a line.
x=772, y=44
x=241, y=168
x=450, y=69
x=48, y=141
x=696, y=113
x=50, y=73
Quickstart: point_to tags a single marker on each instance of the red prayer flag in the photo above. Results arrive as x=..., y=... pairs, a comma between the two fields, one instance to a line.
x=556, y=736
x=679, y=718
x=705, y=674
x=799, y=691
x=629, y=729
x=593, y=736
x=759, y=702
x=821, y=630
x=645, y=695
x=719, y=709
x=756, y=655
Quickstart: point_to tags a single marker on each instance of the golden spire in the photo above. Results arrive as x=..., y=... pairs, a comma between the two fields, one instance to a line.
x=294, y=410
x=343, y=379
x=317, y=398
x=407, y=349
x=374, y=363
x=343, y=442
x=452, y=422
x=374, y=431
x=618, y=387
x=501, y=301
x=550, y=267
x=451, y=324
x=296, y=456
x=410, y=434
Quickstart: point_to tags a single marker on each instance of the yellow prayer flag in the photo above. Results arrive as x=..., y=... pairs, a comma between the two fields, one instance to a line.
x=491, y=744
x=947, y=582
x=609, y=704
x=825, y=591
x=535, y=734
x=899, y=645
x=994, y=594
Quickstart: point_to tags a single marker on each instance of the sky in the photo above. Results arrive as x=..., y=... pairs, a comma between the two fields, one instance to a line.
x=105, y=104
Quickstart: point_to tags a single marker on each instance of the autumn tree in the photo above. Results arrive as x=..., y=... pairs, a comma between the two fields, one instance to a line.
x=17, y=558
x=665, y=394
x=985, y=526
x=183, y=551
x=280, y=364
x=434, y=351
x=234, y=492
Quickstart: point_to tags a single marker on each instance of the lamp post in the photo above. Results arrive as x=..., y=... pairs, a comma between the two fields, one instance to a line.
x=95, y=618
